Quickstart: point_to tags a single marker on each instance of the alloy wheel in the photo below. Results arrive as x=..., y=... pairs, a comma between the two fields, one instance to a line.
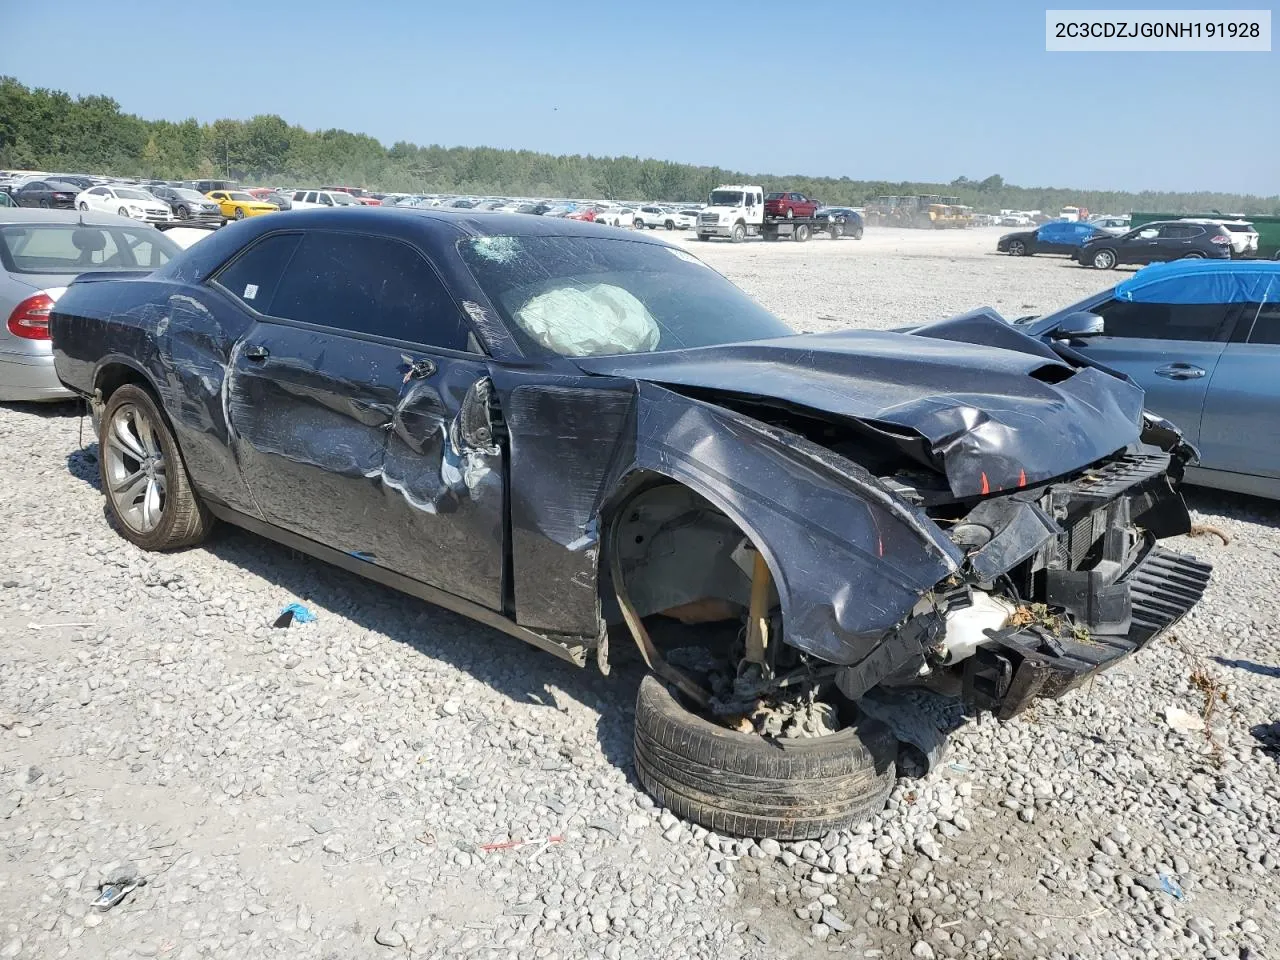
x=136, y=469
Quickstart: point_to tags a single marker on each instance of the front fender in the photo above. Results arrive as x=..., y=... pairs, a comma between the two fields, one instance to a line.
x=849, y=558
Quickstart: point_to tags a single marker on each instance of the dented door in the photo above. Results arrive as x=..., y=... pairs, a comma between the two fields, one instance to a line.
x=309, y=412
x=443, y=490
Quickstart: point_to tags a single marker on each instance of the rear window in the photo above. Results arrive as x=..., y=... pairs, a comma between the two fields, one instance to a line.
x=773, y=196
x=68, y=248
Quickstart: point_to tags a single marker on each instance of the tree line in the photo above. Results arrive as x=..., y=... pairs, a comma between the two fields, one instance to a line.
x=46, y=129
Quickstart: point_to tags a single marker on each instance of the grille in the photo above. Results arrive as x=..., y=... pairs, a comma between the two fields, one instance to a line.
x=709, y=218
x=1083, y=534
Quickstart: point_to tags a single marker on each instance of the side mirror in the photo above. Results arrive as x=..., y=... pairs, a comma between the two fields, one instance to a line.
x=1079, y=326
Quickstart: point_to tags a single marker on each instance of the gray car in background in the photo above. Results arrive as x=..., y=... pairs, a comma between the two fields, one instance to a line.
x=1202, y=338
x=41, y=251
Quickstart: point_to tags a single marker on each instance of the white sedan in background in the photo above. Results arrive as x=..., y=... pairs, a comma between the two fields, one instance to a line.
x=132, y=202
x=616, y=216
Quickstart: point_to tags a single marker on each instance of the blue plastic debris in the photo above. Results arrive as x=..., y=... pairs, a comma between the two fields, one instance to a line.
x=1170, y=886
x=294, y=611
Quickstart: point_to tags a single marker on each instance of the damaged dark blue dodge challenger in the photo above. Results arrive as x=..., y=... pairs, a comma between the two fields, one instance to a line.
x=569, y=433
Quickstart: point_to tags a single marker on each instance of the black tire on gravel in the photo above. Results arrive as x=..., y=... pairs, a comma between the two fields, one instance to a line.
x=184, y=521
x=744, y=785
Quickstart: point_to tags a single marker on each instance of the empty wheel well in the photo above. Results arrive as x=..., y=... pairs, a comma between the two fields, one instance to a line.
x=113, y=376
x=685, y=564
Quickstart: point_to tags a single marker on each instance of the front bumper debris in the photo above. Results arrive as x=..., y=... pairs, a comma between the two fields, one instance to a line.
x=1025, y=663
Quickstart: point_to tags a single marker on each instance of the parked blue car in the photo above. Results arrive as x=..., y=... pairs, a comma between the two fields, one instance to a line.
x=1202, y=338
x=1057, y=236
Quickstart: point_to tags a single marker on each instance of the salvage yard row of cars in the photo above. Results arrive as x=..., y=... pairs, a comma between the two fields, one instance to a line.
x=215, y=202
x=1105, y=244
x=583, y=439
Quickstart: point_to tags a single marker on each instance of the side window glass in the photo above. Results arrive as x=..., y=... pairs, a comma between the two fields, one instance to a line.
x=1266, y=327
x=370, y=285
x=1199, y=322
x=253, y=276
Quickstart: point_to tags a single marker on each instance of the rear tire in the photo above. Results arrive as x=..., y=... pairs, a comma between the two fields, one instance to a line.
x=744, y=785
x=857, y=233
x=183, y=520
x=801, y=233
x=790, y=213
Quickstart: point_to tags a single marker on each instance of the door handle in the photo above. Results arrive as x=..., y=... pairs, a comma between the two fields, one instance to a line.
x=256, y=352
x=420, y=368
x=1180, y=371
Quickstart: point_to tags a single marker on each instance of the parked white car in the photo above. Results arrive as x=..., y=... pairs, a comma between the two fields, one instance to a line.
x=686, y=219
x=654, y=217
x=320, y=199
x=1244, y=238
x=616, y=216
x=133, y=202
x=1112, y=225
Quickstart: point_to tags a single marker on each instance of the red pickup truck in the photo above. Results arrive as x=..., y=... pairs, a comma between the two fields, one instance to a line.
x=789, y=204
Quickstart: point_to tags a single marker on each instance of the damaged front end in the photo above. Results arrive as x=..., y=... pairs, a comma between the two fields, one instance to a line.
x=1058, y=582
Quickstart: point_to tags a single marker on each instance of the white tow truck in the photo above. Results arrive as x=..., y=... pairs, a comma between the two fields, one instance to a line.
x=737, y=212
x=734, y=211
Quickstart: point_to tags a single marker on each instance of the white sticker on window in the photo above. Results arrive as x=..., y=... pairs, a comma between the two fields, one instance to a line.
x=250, y=291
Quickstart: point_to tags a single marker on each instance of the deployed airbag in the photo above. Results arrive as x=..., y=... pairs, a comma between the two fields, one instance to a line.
x=590, y=320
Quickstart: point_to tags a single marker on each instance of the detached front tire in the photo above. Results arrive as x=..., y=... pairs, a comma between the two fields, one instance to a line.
x=143, y=476
x=745, y=785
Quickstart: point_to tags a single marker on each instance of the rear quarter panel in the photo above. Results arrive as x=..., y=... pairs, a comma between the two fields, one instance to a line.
x=179, y=339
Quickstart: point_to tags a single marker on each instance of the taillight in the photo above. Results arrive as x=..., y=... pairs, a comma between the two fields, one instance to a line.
x=1219, y=239
x=30, y=318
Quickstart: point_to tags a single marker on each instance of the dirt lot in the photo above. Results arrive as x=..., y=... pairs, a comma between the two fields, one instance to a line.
x=330, y=790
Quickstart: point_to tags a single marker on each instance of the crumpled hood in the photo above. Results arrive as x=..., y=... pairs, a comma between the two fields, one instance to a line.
x=972, y=397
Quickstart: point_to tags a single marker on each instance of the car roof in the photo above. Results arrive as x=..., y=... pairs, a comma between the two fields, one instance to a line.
x=1207, y=281
x=14, y=215
x=474, y=222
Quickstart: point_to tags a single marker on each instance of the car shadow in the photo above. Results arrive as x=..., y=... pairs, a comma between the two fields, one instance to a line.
x=1236, y=506
x=1268, y=736
x=518, y=671
x=1261, y=669
x=47, y=409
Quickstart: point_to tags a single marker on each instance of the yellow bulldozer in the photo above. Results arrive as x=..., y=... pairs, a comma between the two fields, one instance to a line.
x=950, y=216
x=927, y=211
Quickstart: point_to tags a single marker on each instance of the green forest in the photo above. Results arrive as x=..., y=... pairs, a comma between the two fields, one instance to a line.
x=51, y=130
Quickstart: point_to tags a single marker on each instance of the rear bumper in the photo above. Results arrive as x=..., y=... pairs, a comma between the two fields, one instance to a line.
x=30, y=378
x=1031, y=663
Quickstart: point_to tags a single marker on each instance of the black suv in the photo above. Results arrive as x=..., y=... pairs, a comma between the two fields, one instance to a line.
x=1156, y=243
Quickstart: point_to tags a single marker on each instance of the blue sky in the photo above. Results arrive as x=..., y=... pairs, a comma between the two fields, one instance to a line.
x=918, y=91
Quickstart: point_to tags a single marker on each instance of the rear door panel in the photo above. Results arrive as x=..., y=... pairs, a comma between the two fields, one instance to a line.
x=1241, y=424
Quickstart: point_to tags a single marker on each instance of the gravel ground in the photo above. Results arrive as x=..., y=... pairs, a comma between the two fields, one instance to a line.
x=327, y=790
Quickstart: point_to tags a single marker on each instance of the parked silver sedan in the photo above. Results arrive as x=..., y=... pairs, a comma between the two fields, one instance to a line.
x=1202, y=338
x=41, y=251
